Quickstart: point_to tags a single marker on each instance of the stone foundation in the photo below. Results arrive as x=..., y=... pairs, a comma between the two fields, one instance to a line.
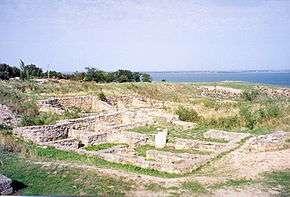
x=86, y=103
x=269, y=142
x=180, y=144
x=227, y=136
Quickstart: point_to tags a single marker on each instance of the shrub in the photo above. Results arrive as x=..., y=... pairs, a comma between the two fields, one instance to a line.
x=250, y=95
x=102, y=97
x=72, y=113
x=273, y=111
x=249, y=117
x=47, y=118
x=221, y=122
x=40, y=119
x=189, y=115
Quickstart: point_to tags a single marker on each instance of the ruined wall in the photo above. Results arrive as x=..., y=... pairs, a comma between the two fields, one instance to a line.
x=269, y=142
x=274, y=93
x=86, y=103
x=102, y=123
x=130, y=138
x=219, y=92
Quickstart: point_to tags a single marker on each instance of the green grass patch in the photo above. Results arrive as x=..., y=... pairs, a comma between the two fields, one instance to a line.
x=34, y=179
x=233, y=183
x=103, y=146
x=177, y=132
x=56, y=154
x=194, y=186
x=279, y=181
x=154, y=187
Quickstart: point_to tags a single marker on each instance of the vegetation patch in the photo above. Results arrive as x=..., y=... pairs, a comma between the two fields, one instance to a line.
x=189, y=115
x=233, y=183
x=102, y=146
x=34, y=179
x=47, y=118
x=194, y=186
x=279, y=181
x=56, y=154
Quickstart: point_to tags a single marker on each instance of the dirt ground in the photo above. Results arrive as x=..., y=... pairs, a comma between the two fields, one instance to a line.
x=243, y=164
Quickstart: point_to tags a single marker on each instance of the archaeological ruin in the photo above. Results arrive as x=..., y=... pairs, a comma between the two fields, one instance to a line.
x=110, y=123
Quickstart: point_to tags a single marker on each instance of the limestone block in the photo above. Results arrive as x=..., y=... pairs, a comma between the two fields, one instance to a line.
x=90, y=138
x=160, y=139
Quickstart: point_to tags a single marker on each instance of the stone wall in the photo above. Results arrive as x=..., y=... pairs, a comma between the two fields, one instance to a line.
x=43, y=133
x=269, y=142
x=58, y=131
x=130, y=138
x=180, y=143
x=86, y=103
x=69, y=143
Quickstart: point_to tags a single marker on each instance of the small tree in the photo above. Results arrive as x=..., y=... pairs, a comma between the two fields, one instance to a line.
x=146, y=77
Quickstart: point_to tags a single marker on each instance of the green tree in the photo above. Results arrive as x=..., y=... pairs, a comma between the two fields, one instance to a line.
x=146, y=77
x=30, y=71
x=7, y=71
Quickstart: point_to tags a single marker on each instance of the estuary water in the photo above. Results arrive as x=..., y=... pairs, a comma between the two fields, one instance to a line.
x=274, y=78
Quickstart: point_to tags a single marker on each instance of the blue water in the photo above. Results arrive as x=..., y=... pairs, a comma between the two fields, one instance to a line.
x=274, y=78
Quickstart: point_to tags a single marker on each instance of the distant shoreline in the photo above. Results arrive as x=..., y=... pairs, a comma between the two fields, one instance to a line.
x=240, y=71
x=262, y=77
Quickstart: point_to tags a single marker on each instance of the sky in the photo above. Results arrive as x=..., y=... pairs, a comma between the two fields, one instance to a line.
x=146, y=35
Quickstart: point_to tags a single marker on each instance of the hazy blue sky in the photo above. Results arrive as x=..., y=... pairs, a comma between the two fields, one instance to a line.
x=146, y=35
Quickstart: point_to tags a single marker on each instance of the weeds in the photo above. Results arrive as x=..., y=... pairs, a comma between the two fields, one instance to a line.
x=189, y=115
x=250, y=95
x=34, y=179
x=194, y=186
x=47, y=118
x=102, y=146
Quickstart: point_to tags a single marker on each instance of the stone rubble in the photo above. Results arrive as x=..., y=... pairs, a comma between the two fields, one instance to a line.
x=7, y=117
x=5, y=185
x=219, y=92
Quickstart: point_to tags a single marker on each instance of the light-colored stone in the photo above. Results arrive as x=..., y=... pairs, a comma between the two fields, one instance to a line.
x=224, y=135
x=160, y=139
x=5, y=185
x=269, y=142
x=7, y=117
